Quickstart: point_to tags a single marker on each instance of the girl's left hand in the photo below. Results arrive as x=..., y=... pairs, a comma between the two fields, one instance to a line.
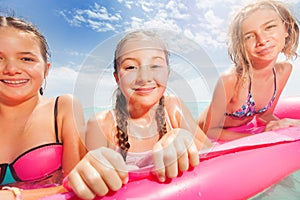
x=173, y=152
x=282, y=123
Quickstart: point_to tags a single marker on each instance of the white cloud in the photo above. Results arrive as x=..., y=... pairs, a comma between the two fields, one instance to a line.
x=203, y=21
x=61, y=80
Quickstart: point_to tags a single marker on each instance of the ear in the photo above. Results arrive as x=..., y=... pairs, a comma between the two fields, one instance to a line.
x=116, y=77
x=47, y=70
x=286, y=33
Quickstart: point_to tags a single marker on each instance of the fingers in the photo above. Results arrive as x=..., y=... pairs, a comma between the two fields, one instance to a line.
x=79, y=187
x=86, y=182
x=174, y=152
x=193, y=153
x=277, y=124
x=113, y=160
x=158, y=161
x=183, y=158
x=98, y=172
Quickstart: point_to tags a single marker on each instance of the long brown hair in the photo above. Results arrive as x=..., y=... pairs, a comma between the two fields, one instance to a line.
x=121, y=102
x=22, y=25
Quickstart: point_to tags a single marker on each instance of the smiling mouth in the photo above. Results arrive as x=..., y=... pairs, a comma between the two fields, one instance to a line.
x=14, y=82
x=265, y=51
x=144, y=90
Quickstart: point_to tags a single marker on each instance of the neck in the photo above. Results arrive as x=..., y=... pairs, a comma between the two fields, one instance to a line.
x=23, y=108
x=138, y=111
x=269, y=64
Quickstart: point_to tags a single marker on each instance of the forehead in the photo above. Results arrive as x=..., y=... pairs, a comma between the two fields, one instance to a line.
x=259, y=17
x=11, y=34
x=134, y=45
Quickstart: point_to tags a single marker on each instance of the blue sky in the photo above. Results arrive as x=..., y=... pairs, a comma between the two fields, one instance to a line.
x=82, y=35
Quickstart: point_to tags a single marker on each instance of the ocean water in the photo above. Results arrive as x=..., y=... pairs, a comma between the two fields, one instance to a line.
x=286, y=189
x=195, y=107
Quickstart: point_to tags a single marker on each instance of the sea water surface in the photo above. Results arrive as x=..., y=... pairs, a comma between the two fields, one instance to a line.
x=286, y=189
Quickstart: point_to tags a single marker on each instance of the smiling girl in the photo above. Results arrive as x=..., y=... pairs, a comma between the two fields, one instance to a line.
x=39, y=137
x=247, y=95
x=145, y=127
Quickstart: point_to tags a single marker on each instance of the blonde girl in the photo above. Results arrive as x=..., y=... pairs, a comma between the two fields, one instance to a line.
x=245, y=97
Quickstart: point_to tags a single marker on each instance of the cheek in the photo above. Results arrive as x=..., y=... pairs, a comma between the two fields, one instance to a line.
x=126, y=79
x=249, y=46
x=37, y=72
x=162, y=79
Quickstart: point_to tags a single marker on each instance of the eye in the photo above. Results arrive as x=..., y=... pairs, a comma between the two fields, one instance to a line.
x=131, y=67
x=27, y=59
x=156, y=66
x=270, y=26
x=249, y=36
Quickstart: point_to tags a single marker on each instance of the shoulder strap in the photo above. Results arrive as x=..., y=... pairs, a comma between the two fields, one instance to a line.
x=55, y=119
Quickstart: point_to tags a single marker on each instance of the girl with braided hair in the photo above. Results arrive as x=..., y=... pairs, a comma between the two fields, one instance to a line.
x=145, y=127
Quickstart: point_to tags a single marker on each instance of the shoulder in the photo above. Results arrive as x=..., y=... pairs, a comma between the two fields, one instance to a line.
x=173, y=102
x=175, y=106
x=103, y=121
x=67, y=104
x=105, y=116
x=100, y=130
x=171, y=99
x=226, y=84
x=283, y=67
x=67, y=99
x=228, y=78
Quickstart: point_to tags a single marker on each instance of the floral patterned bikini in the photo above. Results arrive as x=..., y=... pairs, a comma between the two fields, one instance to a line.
x=249, y=108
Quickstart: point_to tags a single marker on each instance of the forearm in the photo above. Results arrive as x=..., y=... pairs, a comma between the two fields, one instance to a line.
x=43, y=192
x=224, y=134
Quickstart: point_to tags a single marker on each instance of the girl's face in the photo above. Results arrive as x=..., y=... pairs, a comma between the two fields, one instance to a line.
x=22, y=68
x=264, y=35
x=143, y=72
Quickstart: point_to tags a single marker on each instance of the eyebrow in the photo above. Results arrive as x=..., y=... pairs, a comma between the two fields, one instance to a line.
x=136, y=60
x=270, y=21
x=26, y=53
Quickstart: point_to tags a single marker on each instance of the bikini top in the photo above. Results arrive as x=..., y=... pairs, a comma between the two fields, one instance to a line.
x=137, y=160
x=36, y=163
x=249, y=108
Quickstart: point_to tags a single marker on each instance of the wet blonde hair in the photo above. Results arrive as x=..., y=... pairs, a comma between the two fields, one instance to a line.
x=121, y=102
x=236, y=44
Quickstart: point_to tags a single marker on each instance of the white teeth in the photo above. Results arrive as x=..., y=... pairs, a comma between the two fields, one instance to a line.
x=14, y=81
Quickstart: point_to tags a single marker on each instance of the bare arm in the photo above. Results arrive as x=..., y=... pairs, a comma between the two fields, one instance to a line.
x=178, y=149
x=181, y=117
x=71, y=119
x=215, y=118
x=102, y=169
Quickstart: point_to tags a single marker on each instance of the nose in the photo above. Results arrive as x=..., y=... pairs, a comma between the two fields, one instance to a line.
x=144, y=74
x=261, y=39
x=9, y=67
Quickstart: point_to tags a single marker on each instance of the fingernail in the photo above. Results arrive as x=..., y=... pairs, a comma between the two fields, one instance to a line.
x=125, y=181
x=161, y=179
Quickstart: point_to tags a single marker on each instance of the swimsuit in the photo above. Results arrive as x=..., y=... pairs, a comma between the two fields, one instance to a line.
x=138, y=160
x=249, y=108
x=35, y=164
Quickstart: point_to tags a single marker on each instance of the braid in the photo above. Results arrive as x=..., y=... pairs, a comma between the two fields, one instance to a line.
x=161, y=118
x=121, y=117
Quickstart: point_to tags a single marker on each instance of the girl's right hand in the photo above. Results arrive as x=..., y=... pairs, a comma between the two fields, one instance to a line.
x=174, y=152
x=101, y=170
